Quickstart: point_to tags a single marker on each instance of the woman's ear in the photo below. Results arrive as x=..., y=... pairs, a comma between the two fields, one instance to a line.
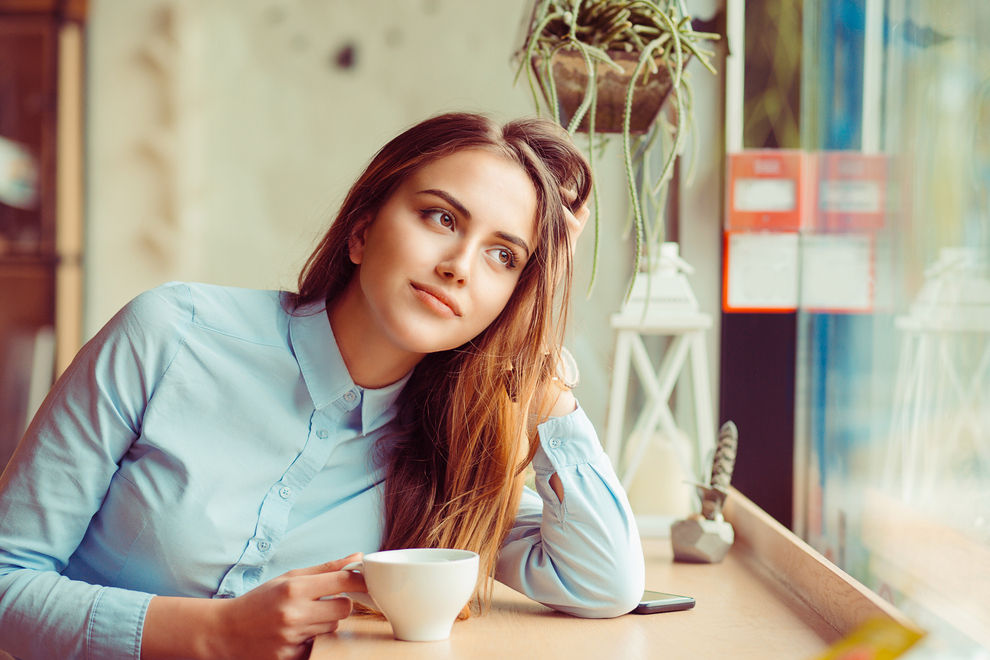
x=355, y=242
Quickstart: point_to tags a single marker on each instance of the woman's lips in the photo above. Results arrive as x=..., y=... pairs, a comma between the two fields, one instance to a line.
x=436, y=300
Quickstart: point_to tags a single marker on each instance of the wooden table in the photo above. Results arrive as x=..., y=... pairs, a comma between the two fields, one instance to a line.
x=772, y=597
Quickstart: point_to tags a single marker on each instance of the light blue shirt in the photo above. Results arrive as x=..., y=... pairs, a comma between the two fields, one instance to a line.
x=206, y=441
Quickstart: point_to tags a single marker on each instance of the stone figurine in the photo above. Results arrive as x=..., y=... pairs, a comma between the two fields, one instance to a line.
x=707, y=537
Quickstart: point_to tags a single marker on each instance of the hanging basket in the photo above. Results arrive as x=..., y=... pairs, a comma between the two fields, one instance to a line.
x=570, y=76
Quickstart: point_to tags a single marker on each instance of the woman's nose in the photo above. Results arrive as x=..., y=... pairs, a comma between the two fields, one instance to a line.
x=455, y=266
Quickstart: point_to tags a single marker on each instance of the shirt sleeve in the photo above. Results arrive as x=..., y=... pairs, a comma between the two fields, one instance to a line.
x=56, y=482
x=581, y=555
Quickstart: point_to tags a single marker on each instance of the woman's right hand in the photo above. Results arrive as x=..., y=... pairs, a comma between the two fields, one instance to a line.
x=277, y=619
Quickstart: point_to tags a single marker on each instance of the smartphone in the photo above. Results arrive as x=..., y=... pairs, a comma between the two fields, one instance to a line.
x=656, y=601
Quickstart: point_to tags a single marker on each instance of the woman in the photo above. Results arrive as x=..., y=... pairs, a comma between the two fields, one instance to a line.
x=210, y=441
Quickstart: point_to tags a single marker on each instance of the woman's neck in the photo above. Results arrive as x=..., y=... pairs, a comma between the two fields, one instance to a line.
x=371, y=360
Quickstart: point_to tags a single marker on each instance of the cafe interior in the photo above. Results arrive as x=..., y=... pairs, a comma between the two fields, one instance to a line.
x=801, y=248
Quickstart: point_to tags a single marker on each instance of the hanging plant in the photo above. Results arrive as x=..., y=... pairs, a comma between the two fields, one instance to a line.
x=607, y=67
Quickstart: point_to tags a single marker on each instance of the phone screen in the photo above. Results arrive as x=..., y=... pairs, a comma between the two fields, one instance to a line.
x=654, y=602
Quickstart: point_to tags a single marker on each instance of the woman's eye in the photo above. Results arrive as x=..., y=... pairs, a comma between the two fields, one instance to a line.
x=440, y=217
x=504, y=256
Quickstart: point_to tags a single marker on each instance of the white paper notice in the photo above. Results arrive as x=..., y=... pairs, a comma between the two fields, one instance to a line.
x=837, y=272
x=762, y=271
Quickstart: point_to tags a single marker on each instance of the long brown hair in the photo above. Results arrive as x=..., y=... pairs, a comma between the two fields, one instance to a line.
x=456, y=457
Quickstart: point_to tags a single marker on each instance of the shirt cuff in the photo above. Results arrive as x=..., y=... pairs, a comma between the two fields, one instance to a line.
x=117, y=623
x=566, y=441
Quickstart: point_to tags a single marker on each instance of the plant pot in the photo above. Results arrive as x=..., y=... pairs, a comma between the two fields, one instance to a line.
x=571, y=79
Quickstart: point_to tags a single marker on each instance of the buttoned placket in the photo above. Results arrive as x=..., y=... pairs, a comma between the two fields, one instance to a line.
x=273, y=515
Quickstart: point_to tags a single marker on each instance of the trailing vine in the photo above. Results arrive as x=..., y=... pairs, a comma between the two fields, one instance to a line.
x=660, y=33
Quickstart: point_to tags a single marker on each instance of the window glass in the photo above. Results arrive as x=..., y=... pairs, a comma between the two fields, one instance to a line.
x=893, y=376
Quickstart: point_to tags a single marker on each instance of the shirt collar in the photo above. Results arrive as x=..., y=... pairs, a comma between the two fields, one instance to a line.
x=325, y=373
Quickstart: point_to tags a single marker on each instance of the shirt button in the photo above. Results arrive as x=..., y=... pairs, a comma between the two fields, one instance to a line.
x=555, y=442
x=264, y=545
x=349, y=397
x=322, y=434
x=284, y=492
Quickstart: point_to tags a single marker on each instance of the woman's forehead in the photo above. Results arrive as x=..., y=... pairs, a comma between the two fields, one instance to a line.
x=481, y=181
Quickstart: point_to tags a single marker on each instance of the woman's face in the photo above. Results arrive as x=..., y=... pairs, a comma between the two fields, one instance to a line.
x=440, y=260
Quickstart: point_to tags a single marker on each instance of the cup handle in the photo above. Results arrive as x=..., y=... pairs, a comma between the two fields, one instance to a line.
x=363, y=598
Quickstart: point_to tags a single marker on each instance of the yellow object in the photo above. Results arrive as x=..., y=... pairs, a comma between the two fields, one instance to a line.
x=876, y=639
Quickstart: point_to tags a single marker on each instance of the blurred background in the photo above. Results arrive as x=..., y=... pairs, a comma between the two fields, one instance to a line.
x=834, y=204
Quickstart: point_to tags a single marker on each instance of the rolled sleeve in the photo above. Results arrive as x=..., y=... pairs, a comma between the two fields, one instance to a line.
x=50, y=616
x=117, y=622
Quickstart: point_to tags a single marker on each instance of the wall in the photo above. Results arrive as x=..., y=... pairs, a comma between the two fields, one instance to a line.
x=223, y=134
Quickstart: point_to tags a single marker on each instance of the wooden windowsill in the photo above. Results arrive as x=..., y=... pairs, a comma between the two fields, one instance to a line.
x=772, y=597
x=767, y=546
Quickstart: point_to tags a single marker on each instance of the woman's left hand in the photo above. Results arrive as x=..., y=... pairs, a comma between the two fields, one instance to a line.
x=576, y=220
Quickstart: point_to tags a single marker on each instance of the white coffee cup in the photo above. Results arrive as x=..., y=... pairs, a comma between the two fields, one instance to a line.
x=419, y=590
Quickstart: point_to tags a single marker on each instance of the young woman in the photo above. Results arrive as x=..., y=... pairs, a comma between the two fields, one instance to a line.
x=209, y=443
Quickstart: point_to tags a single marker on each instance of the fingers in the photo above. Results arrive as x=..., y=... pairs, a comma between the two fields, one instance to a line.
x=335, y=609
x=328, y=567
x=322, y=580
x=338, y=564
x=326, y=620
x=331, y=584
x=569, y=196
x=582, y=214
x=575, y=218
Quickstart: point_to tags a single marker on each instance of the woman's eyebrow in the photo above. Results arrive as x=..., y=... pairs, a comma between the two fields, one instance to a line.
x=512, y=238
x=450, y=199
x=460, y=208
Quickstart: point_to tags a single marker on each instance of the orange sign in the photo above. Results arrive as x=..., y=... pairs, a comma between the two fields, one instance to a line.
x=851, y=194
x=768, y=190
